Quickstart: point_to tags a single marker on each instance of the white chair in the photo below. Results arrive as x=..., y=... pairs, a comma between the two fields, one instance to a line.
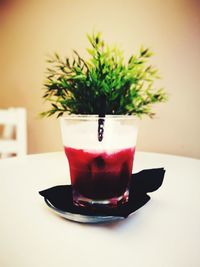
x=13, y=121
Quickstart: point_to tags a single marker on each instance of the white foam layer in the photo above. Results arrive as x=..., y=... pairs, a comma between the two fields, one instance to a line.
x=84, y=135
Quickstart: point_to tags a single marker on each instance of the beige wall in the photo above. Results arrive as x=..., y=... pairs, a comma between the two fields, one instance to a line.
x=29, y=30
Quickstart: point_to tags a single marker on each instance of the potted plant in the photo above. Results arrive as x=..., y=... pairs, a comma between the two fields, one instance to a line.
x=104, y=91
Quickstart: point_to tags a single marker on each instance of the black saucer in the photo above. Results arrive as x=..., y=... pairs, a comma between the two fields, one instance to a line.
x=59, y=199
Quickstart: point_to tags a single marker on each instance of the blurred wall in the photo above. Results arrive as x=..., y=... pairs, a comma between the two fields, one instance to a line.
x=29, y=30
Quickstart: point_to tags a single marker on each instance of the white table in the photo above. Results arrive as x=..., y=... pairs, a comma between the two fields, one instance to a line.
x=164, y=233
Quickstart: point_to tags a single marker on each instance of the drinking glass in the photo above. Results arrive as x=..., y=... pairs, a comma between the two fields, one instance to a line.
x=100, y=153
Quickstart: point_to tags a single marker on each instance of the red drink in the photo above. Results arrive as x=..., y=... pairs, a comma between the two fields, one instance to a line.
x=100, y=175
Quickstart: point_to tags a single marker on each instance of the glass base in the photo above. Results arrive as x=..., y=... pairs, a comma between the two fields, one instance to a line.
x=82, y=201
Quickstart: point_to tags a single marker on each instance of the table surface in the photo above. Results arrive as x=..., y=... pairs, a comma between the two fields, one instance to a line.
x=164, y=233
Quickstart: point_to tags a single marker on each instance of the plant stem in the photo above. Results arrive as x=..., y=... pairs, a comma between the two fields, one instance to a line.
x=102, y=114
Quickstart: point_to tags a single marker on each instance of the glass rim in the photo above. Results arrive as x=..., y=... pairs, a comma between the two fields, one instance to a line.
x=95, y=117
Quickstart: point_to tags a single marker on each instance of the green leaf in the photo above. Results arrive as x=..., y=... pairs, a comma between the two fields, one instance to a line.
x=74, y=86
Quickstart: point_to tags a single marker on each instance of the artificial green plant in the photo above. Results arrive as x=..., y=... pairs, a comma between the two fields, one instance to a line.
x=76, y=86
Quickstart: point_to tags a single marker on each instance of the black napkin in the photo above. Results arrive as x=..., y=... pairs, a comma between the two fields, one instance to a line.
x=141, y=183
